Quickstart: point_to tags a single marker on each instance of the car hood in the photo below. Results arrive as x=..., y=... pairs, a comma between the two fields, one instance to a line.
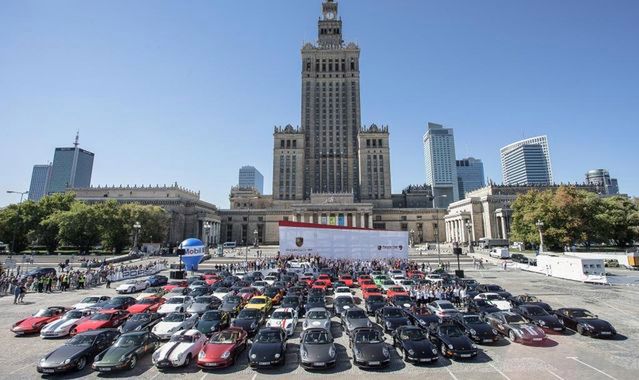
x=215, y=351
x=501, y=304
x=310, y=306
x=317, y=323
x=65, y=352
x=356, y=323
x=29, y=322
x=459, y=342
x=132, y=325
x=87, y=305
x=482, y=329
x=91, y=325
x=529, y=330
x=207, y=326
x=549, y=320
x=421, y=347
x=198, y=307
x=164, y=327
x=282, y=323
x=396, y=321
x=317, y=352
x=596, y=323
x=265, y=351
x=113, y=354
x=60, y=324
x=228, y=307
x=370, y=352
x=168, y=308
x=244, y=323
x=138, y=308
x=172, y=349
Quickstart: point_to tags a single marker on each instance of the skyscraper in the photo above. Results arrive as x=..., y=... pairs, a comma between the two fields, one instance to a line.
x=441, y=168
x=72, y=167
x=527, y=162
x=39, y=182
x=470, y=175
x=601, y=179
x=249, y=176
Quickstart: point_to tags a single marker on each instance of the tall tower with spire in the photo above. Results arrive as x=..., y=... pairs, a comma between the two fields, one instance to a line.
x=72, y=168
x=330, y=109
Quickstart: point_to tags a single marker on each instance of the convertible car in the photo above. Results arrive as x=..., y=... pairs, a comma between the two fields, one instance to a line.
x=285, y=319
x=139, y=322
x=585, y=323
x=211, y=321
x=173, y=323
x=132, y=286
x=35, y=323
x=515, y=327
x=414, y=345
x=317, y=349
x=368, y=348
x=149, y=304
x=65, y=325
x=222, y=349
x=180, y=350
x=103, y=319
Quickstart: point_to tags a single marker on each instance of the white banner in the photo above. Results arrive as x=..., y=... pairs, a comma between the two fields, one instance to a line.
x=341, y=242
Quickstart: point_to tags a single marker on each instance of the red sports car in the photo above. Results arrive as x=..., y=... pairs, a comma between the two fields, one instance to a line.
x=146, y=305
x=363, y=277
x=222, y=349
x=371, y=291
x=319, y=284
x=326, y=278
x=307, y=279
x=396, y=291
x=346, y=279
x=35, y=323
x=367, y=284
x=174, y=284
x=248, y=293
x=103, y=319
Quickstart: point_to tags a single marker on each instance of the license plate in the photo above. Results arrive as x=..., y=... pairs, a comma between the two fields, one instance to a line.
x=211, y=364
x=487, y=340
x=320, y=364
x=104, y=369
x=264, y=363
x=465, y=355
x=48, y=371
x=606, y=333
x=424, y=360
x=374, y=363
x=537, y=339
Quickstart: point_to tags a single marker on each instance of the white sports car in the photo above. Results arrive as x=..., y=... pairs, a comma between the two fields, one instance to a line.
x=317, y=317
x=495, y=300
x=173, y=323
x=176, y=304
x=180, y=351
x=132, y=286
x=90, y=301
x=63, y=326
x=284, y=318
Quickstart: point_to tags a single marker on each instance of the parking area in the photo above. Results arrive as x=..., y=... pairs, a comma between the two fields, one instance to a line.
x=567, y=356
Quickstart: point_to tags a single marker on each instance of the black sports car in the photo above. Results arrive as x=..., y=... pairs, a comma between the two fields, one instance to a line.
x=212, y=321
x=126, y=351
x=402, y=301
x=452, y=341
x=317, y=349
x=540, y=317
x=268, y=348
x=422, y=317
x=341, y=304
x=250, y=320
x=373, y=303
x=369, y=349
x=530, y=300
x=314, y=301
x=585, y=323
x=77, y=351
x=476, y=329
x=481, y=307
x=414, y=345
x=491, y=288
x=391, y=317
x=119, y=303
x=232, y=304
x=141, y=321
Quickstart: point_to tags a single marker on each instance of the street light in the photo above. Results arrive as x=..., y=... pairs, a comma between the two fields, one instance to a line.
x=255, y=238
x=15, y=229
x=469, y=227
x=540, y=226
x=412, y=238
x=137, y=227
x=207, y=231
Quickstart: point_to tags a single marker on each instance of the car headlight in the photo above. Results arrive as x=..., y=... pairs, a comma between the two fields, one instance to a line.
x=589, y=327
x=67, y=361
x=434, y=351
x=421, y=322
x=138, y=328
x=473, y=332
x=385, y=352
x=450, y=346
x=123, y=357
x=357, y=352
x=253, y=356
x=388, y=323
x=331, y=352
x=225, y=355
x=156, y=355
x=369, y=324
x=494, y=331
x=474, y=346
x=202, y=355
x=542, y=323
x=43, y=360
x=277, y=356
x=304, y=354
x=412, y=352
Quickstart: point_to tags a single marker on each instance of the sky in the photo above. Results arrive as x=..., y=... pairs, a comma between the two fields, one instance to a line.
x=189, y=91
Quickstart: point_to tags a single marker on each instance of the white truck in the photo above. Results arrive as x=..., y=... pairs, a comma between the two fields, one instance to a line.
x=572, y=268
x=500, y=253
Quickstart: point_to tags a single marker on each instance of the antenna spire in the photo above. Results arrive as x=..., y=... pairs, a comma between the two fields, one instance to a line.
x=77, y=138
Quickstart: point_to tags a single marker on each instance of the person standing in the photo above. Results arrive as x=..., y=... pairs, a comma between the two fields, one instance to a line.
x=16, y=293
x=23, y=292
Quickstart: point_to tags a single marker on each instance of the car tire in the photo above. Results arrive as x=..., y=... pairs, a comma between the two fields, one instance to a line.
x=187, y=360
x=73, y=330
x=580, y=330
x=512, y=336
x=133, y=362
x=82, y=362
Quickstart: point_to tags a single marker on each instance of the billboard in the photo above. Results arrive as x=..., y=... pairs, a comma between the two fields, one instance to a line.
x=340, y=242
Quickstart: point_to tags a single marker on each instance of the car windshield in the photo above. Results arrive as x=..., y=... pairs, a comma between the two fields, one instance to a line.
x=388, y=282
x=268, y=337
x=315, y=299
x=472, y=319
x=90, y=300
x=317, y=315
x=142, y=317
x=317, y=337
x=514, y=319
x=205, y=300
x=447, y=306
x=341, y=301
x=393, y=313
x=175, y=317
x=282, y=315
x=248, y=314
x=452, y=331
x=246, y=291
x=582, y=314
x=212, y=316
x=494, y=288
x=147, y=301
x=413, y=334
x=357, y=314
x=293, y=300
x=175, y=300
x=233, y=299
x=271, y=292
x=44, y=313
x=81, y=340
x=257, y=301
x=402, y=299
x=74, y=314
x=408, y=282
x=375, y=299
x=493, y=297
x=222, y=290
x=342, y=290
x=369, y=336
x=225, y=337
x=129, y=341
x=537, y=311
x=101, y=317
x=183, y=338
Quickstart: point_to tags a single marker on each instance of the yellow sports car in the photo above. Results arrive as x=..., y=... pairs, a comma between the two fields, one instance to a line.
x=261, y=303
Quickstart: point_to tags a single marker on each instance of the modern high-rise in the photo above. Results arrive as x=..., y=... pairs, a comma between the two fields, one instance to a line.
x=527, y=162
x=601, y=179
x=470, y=175
x=441, y=167
x=249, y=176
x=72, y=168
x=39, y=182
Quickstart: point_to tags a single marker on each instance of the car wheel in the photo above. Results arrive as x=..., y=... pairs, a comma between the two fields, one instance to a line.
x=512, y=336
x=580, y=330
x=73, y=331
x=187, y=360
x=134, y=362
x=82, y=362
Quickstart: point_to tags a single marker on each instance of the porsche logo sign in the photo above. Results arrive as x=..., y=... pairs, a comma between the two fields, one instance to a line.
x=299, y=242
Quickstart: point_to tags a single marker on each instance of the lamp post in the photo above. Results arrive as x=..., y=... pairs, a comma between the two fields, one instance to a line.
x=207, y=232
x=255, y=238
x=15, y=229
x=412, y=238
x=540, y=226
x=439, y=258
x=137, y=227
x=469, y=227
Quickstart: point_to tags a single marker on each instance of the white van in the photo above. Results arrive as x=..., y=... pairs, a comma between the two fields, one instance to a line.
x=500, y=253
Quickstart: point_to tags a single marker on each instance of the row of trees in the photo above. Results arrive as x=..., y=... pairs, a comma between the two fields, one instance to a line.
x=60, y=219
x=573, y=216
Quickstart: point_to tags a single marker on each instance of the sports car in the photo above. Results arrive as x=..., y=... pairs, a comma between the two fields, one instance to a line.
x=585, y=323
x=386, y=285
x=132, y=286
x=222, y=292
x=327, y=279
x=353, y=319
x=270, y=280
x=443, y=308
x=90, y=302
x=403, y=301
x=481, y=307
x=268, y=348
x=250, y=320
x=34, y=323
x=515, y=327
x=157, y=280
x=317, y=349
x=317, y=318
x=414, y=345
x=370, y=291
x=261, y=303
x=178, y=291
x=173, y=323
x=247, y=293
x=284, y=318
x=495, y=300
x=343, y=303
x=374, y=302
x=76, y=352
x=339, y=290
x=174, y=284
x=452, y=341
x=367, y=284
x=491, y=288
x=476, y=329
x=222, y=349
x=211, y=321
x=200, y=291
x=395, y=291
x=118, y=303
x=346, y=279
x=66, y=324
x=126, y=351
x=102, y=319
x=390, y=318
x=363, y=277
x=422, y=317
x=313, y=302
x=183, y=347
x=146, y=305
x=368, y=348
x=292, y=302
x=274, y=294
x=380, y=278
x=530, y=300
x=150, y=292
x=175, y=304
x=319, y=284
x=140, y=322
x=408, y=285
x=203, y=304
x=540, y=317
x=232, y=305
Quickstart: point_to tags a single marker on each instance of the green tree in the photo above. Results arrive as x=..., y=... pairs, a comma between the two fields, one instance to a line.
x=153, y=219
x=114, y=231
x=79, y=226
x=46, y=231
x=619, y=220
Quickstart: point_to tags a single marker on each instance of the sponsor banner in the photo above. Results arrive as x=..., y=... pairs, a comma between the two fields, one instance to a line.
x=340, y=220
x=341, y=242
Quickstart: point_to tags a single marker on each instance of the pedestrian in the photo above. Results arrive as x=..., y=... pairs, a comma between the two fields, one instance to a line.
x=16, y=293
x=23, y=292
